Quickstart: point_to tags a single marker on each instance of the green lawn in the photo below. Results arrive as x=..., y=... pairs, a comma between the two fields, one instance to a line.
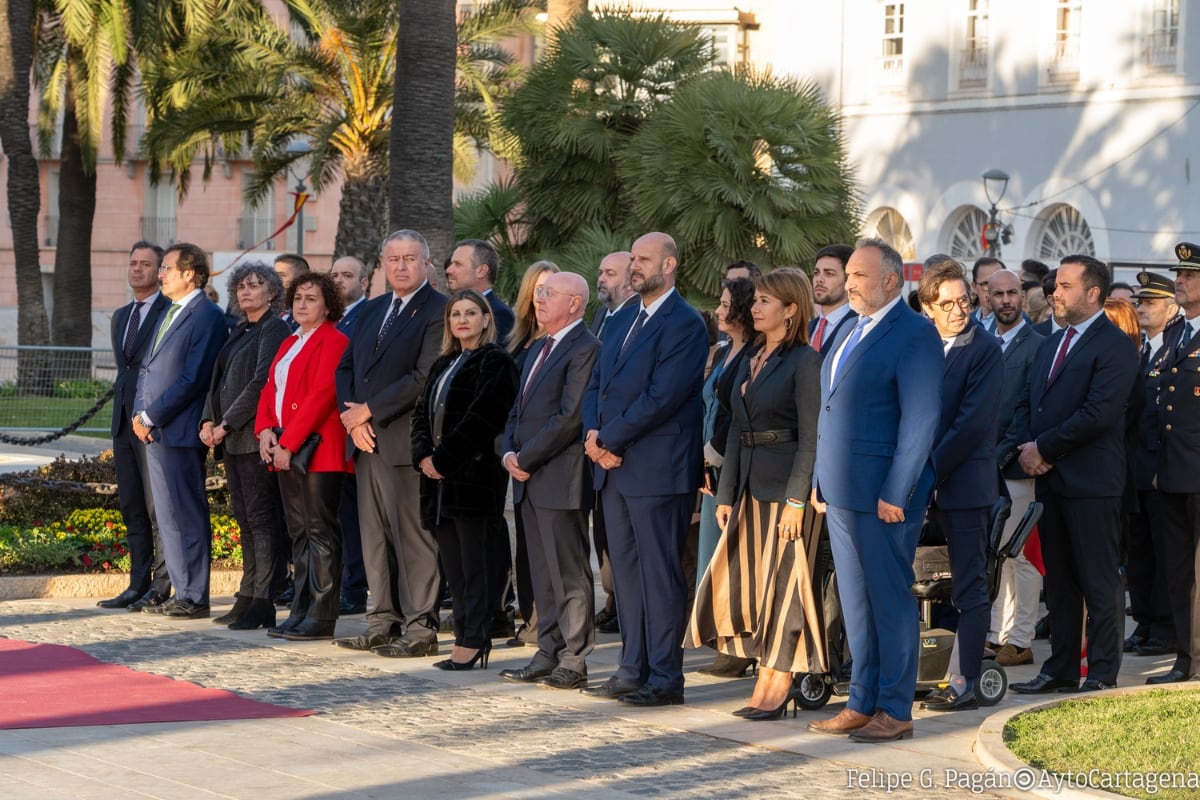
x=51, y=412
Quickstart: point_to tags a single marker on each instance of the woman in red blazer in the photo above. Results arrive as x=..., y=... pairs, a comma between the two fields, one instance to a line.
x=300, y=398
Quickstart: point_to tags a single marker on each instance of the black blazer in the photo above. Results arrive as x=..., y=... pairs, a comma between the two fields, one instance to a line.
x=125, y=385
x=786, y=396
x=390, y=378
x=546, y=431
x=1018, y=359
x=1078, y=420
x=724, y=392
x=964, y=453
x=1178, y=416
x=502, y=314
x=238, y=379
x=477, y=402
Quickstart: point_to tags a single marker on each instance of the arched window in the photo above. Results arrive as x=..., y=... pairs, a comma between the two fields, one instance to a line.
x=965, y=233
x=888, y=224
x=1062, y=231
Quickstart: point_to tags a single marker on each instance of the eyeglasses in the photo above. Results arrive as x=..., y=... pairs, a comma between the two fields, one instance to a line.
x=545, y=293
x=948, y=305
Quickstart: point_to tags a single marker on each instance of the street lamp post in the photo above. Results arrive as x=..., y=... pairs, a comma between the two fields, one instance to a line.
x=995, y=181
x=300, y=149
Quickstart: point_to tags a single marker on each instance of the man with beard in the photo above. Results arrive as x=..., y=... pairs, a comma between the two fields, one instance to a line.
x=1072, y=415
x=1014, y=613
x=829, y=327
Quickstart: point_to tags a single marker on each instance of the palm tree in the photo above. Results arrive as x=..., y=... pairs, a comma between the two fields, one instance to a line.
x=16, y=61
x=742, y=165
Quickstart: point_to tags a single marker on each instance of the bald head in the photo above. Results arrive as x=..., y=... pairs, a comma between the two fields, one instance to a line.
x=652, y=270
x=1005, y=298
x=351, y=278
x=612, y=279
x=560, y=301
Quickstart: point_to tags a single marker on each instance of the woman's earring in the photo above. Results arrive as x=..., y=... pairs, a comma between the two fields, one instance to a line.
x=788, y=322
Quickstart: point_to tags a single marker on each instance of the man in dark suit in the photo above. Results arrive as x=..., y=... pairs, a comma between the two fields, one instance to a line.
x=614, y=293
x=543, y=452
x=171, y=389
x=352, y=280
x=836, y=318
x=382, y=373
x=643, y=416
x=1015, y=610
x=880, y=403
x=1073, y=415
x=981, y=273
x=1049, y=325
x=133, y=328
x=1178, y=473
x=289, y=266
x=964, y=463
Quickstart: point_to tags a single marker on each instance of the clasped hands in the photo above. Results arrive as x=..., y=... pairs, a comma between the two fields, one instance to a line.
x=598, y=454
x=1031, y=460
x=142, y=431
x=273, y=453
x=212, y=435
x=356, y=419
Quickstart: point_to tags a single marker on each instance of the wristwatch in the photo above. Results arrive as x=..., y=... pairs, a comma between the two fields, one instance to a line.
x=225, y=426
x=145, y=420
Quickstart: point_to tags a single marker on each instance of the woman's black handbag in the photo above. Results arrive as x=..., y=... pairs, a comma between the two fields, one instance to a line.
x=303, y=455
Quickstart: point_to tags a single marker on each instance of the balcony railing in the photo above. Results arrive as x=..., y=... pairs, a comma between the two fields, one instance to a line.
x=1161, y=50
x=160, y=230
x=251, y=230
x=51, y=239
x=973, y=66
x=1064, y=60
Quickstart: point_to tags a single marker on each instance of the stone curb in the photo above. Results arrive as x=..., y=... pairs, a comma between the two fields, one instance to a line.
x=992, y=752
x=29, y=587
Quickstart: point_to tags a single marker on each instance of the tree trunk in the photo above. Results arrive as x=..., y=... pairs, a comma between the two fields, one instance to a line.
x=24, y=192
x=561, y=14
x=423, y=124
x=362, y=214
x=72, y=323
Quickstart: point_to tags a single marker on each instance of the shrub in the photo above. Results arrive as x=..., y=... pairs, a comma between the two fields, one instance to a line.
x=37, y=550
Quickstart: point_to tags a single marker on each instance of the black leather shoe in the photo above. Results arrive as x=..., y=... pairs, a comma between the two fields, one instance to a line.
x=366, y=641
x=652, y=696
x=1174, y=676
x=310, y=630
x=610, y=625
x=563, y=678
x=161, y=608
x=150, y=599
x=349, y=607
x=1154, y=647
x=409, y=647
x=1092, y=685
x=526, y=674
x=950, y=700
x=1043, y=684
x=611, y=689
x=285, y=597
x=124, y=600
x=185, y=609
x=1133, y=641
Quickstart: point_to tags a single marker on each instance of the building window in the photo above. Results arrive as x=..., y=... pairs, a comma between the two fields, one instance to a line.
x=973, y=68
x=256, y=223
x=158, y=224
x=1162, y=40
x=1063, y=232
x=893, y=40
x=966, y=233
x=51, y=218
x=1064, y=57
x=889, y=225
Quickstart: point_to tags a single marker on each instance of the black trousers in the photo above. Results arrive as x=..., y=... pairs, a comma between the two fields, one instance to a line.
x=1145, y=573
x=1181, y=532
x=354, y=574
x=254, y=494
x=521, y=576
x=147, y=569
x=310, y=503
x=966, y=537
x=600, y=544
x=463, y=546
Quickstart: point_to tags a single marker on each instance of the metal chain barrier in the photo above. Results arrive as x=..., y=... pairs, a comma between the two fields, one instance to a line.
x=213, y=483
x=46, y=438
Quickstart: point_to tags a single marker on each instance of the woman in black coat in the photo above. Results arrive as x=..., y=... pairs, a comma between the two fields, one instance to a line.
x=463, y=409
x=227, y=425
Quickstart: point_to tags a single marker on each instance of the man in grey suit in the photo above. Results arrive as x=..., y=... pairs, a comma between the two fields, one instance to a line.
x=172, y=386
x=1015, y=610
x=543, y=452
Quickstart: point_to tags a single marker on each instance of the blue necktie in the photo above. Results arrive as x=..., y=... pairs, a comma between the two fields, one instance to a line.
x=851, y=343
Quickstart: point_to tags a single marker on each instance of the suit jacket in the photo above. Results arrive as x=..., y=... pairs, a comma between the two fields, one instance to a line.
x=964, y=452
x=1078, y=419
x=723, y=390
x=174, y=379
x=125, y=385
x=503, y=315
x=1150, y=380
x=350, y=318
x=238, y=379
x=546, y=431
x=1018, y=359
x=602, y=311
x=835, y=335
x=878, y=419
x=785, y=396
x=309, y=399
x=645, y=403
x=1179, y=417
x=476, y=407
x=390, y=378
x=1044, y=328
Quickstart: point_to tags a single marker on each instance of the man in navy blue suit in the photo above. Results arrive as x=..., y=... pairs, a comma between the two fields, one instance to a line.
x=642, y=417
x=171, y=389
x=1073, y=416
x=881, y=400
x=352, y=280
x=964, y=463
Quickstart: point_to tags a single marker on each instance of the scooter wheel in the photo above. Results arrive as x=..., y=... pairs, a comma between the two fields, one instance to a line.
x=992, y=683
x=815, y=690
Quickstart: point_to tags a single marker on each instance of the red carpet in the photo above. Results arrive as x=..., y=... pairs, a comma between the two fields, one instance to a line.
x=50, y=686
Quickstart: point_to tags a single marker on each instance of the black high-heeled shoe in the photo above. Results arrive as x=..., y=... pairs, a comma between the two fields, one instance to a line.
x=481, y=656
x=726, y=666
x=760, y=714
x=744, y=710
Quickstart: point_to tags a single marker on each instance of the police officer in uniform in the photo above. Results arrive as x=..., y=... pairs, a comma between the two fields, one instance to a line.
x=1178, y=474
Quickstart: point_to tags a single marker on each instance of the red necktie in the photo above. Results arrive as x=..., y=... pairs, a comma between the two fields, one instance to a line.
x=819, y=334
x=1062, y=354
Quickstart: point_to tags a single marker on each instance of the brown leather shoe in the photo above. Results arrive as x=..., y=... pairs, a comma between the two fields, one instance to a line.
x=1011, y=656
x=883, y=728
x=847, y=720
